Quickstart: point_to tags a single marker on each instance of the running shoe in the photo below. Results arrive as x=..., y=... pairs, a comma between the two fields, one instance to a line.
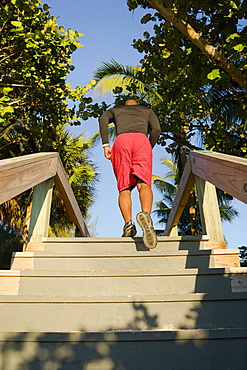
x=129, y=229
x=149, y=236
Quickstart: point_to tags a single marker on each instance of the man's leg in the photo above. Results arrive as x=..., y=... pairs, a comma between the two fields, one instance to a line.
x=143, y=218
x=145, y=195
x=125, y=205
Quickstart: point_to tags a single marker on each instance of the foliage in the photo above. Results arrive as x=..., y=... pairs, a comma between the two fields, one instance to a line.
x=168, y=187
x=115, y=77
x=186, y=77
x=243, y=255
x=37, y=105
x=215, y=28
x=9, y=243
x=74, y=153
x=35, y=59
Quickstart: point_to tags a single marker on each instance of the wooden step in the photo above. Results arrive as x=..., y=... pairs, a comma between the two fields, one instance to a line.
x=122, y=244
x=156, y=259
x=167, y=281
x=119, y=312
x=128, y=350
x=9, y=282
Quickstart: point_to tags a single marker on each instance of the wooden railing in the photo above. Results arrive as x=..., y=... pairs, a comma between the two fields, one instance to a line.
x=209, y=170
x=40, y=171
x=205, y=169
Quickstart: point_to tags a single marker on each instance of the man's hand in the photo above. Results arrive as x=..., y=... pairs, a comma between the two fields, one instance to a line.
x=107, y=152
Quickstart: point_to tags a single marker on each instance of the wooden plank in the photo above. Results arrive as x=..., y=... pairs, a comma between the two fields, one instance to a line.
x=215, y=245
x=228, y=173
x=22, y=261
x=239, y=283
x=9, y=282
x=66, y=192
x=174, y=231
x=22, y=173
x=209, y=210
x=41, y=208
x=184, y=189
x=226, y=260
x=34, y=247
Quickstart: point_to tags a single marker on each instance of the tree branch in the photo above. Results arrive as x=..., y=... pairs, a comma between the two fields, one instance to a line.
x=210, y=51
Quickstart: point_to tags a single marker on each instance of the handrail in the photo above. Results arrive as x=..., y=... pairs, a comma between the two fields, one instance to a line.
x=209, y=169
x=38, y=170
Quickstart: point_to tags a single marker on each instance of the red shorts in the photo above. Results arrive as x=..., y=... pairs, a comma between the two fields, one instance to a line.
x=131, y=157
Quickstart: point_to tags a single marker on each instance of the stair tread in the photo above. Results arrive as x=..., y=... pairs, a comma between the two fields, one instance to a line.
x=123, y=239
x=188, y=297
x=110, y=273
x=124, y=335
x=134, y=253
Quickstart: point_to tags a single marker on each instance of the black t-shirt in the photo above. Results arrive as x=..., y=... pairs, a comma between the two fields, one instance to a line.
x=130, y=118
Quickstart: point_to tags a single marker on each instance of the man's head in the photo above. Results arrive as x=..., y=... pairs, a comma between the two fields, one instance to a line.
x=131, y=102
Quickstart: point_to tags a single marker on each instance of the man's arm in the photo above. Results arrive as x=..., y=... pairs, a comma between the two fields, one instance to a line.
x=155, y=128
x=104, y=121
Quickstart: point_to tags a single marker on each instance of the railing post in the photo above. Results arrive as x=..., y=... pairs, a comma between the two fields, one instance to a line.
x=41, y=209
x=209, y=210
x=174, y=231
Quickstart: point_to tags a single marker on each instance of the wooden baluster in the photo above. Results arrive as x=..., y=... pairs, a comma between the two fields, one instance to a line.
x=41, y=209
x=209, y=210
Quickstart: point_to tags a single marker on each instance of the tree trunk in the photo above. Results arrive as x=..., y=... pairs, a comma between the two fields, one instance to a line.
x=210, y=51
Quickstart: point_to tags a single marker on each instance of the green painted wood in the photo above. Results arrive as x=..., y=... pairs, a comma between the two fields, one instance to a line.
x=115, y=260
x=110, y=306
x=131, y=350
x=41, y=208
x=124, y=282
x=209, y=209
x=119, y=312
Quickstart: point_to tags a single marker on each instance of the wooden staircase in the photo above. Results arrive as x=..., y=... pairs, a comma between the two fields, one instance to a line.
x=110, y=303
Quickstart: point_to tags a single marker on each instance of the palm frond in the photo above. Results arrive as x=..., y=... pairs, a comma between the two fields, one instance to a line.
x=109, y=83
x=107, y=69
x=111, y=134
x=113, y=74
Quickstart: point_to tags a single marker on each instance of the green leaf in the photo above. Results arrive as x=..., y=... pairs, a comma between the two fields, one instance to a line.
x=16, y=23
x=146, y=18
x=232, y=36
x=233, y=5
x=215, y=73
x=46, y=7
x=239, y=47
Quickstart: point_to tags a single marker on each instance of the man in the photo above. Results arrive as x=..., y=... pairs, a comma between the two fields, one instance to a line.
x=131, y=157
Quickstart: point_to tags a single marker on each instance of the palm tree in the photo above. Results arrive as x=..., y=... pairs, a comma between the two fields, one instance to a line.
x=114, y=77
x=168, y=188
x=74, y=153
x=82, y=173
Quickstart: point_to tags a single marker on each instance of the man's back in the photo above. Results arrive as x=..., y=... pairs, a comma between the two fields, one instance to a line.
x=131, y=118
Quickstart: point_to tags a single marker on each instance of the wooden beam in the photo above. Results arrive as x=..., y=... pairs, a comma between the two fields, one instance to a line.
x=186, y=183
x=209, y=210
x=66, y=192
x=226, y=172
x=41, y=209
x=22, y=173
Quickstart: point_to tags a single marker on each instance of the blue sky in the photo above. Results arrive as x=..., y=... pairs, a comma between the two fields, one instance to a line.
x=109, y=29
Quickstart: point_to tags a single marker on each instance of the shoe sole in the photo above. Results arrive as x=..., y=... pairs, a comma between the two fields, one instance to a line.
x=129, y=233
x=149, y=237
